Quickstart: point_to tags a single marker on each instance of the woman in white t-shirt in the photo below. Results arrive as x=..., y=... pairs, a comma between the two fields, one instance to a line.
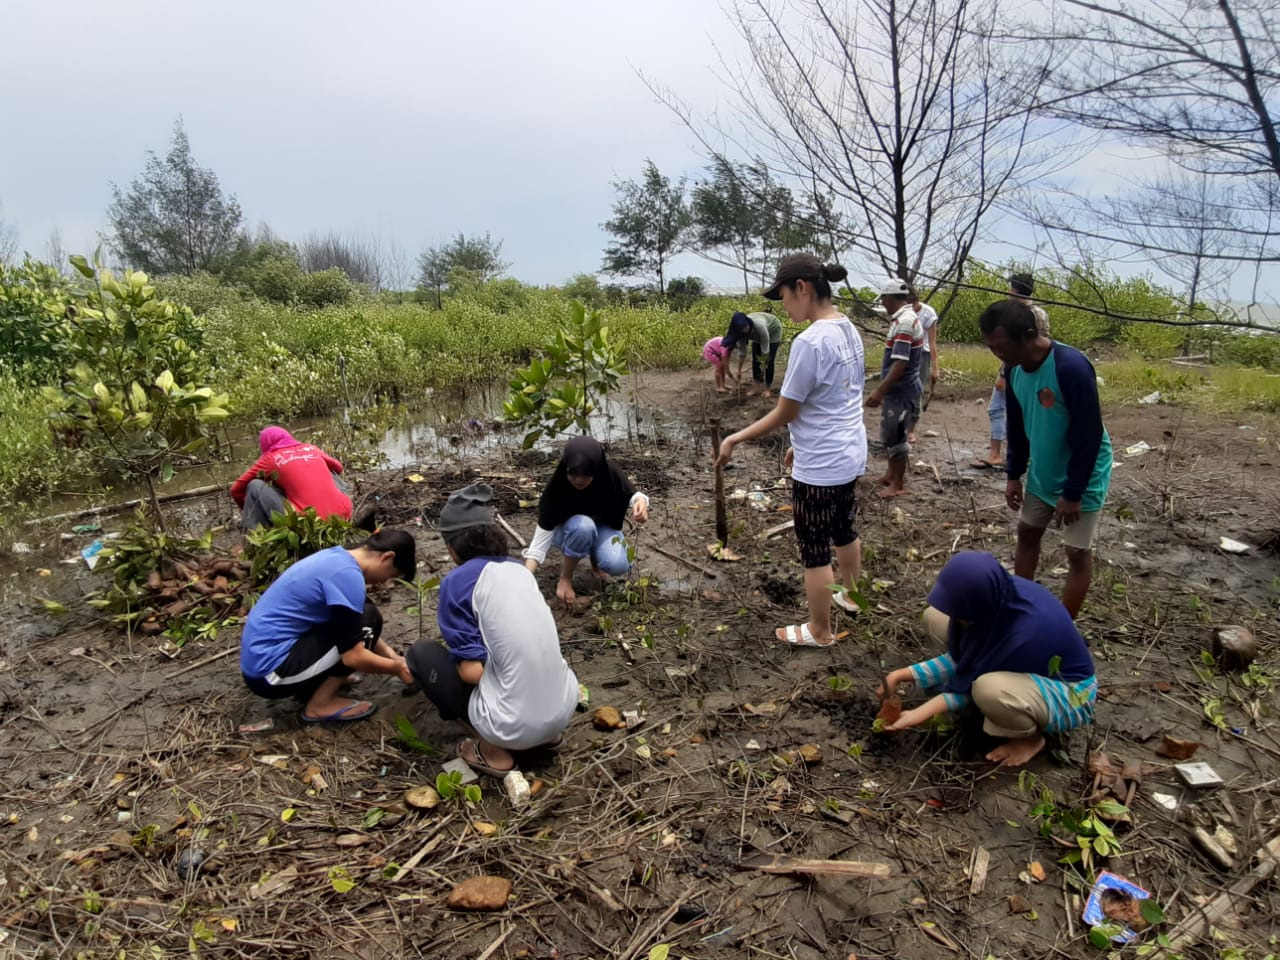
x=821, y=403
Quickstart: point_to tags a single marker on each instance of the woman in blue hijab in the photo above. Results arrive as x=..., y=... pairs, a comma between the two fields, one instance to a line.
x=1012, y=650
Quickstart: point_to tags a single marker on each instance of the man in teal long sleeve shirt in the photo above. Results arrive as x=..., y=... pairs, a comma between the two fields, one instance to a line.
x=1056, y=438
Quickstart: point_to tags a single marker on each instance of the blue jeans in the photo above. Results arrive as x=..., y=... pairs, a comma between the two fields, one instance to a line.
x=580, y=536
x=996, y=413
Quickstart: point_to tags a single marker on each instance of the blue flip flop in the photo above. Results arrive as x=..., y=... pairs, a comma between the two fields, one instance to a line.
x=340, y=716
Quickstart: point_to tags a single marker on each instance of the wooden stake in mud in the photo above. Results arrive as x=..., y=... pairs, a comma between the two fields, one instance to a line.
x=722, y=520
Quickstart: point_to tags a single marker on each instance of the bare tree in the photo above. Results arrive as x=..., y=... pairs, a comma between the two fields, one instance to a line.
x=8, y=240
x=357, y=257
x=55, y=253
x=900, y=115
x=1198, y=83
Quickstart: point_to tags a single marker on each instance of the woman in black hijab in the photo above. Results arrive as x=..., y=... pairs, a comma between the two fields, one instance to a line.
x=582, y=511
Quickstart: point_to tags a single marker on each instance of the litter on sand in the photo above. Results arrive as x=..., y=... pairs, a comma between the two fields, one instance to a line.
x=1115, y=899
x=1137, y=449
x=1233, y=546
x=1151, y=398
x=1198, y=774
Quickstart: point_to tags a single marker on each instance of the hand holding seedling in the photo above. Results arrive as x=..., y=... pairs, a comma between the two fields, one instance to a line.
x=889, y=686
x=918, y=715
x=640, y=512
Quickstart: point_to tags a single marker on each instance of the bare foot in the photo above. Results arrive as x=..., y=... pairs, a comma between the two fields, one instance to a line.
x=767, y=394
x=1015, y=753
x=911, y=438
x=885, y=480
x=600, y=574
x=888, y=492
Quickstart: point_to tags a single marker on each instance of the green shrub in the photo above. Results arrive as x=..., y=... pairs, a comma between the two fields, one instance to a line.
x=32, y=464
x=325, y=288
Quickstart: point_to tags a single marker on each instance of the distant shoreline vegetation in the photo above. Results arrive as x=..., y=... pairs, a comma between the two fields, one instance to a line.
x=284, y=361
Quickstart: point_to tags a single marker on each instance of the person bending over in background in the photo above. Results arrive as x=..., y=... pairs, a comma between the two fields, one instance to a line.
x=314, y=627
x=1055, y=425
x=764, y=331
x=581, y=511
x=898, y=394
x=500, y=667
x=1012, y=651
x=289, y=470
x=714, y=352
x=821, y=404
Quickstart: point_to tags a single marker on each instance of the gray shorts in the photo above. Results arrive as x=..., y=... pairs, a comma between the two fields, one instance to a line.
x=898, y=416
x=1038, y=515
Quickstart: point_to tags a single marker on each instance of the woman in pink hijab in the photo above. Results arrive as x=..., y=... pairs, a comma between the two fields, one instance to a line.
x=290, y=470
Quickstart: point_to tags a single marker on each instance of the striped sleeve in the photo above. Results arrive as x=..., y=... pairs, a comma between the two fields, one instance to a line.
x=900, y=341
x=933, y=674
x=1070, y=704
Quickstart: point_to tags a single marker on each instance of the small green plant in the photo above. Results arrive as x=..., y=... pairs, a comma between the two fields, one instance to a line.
x=341, y=880
x=839, y=683
x=423, y=589
x=1083, y=828
x=1211, y=707
x=559, y=391
x=292, y=535
x=449, y=786
x=407, y=737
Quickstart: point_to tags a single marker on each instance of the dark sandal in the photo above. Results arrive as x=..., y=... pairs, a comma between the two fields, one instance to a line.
x=478, y=764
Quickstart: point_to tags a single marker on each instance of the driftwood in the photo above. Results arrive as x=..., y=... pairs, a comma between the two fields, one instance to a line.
x=679, y=559
x=774, y=531
x=130, y=504
x=510, y=530
x=781, y=863
x=1198, y=923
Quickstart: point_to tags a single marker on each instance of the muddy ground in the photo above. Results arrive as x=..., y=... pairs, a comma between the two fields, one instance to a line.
x=116, y=760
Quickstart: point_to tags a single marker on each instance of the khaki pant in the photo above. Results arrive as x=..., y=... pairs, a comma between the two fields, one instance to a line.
x=1011, y=703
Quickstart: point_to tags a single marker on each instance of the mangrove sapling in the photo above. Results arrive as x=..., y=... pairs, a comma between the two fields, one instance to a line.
x=559, y=391
x=132, y=388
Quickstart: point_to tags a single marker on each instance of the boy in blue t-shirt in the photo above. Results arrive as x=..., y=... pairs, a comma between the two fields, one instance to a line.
x=1056, y=438
x=313, y=628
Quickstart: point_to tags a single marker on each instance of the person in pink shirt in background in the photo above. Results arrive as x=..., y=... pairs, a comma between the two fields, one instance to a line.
x=714, y=353
x=290, y=470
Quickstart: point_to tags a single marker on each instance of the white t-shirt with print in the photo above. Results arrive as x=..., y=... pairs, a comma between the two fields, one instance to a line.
x=825, y=374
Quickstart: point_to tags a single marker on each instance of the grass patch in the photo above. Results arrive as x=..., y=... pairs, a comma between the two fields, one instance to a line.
x=1219, y=388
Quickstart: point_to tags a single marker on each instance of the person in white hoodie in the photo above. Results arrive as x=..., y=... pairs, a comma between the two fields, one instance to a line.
x=500, y=666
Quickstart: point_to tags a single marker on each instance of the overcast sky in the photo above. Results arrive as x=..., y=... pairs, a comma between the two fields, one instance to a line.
x=403, y=120
x=409, y=119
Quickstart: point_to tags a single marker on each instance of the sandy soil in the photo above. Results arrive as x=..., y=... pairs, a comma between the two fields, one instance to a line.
x=117, y=760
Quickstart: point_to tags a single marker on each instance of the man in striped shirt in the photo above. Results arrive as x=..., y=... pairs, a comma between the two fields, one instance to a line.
x=898, y=394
